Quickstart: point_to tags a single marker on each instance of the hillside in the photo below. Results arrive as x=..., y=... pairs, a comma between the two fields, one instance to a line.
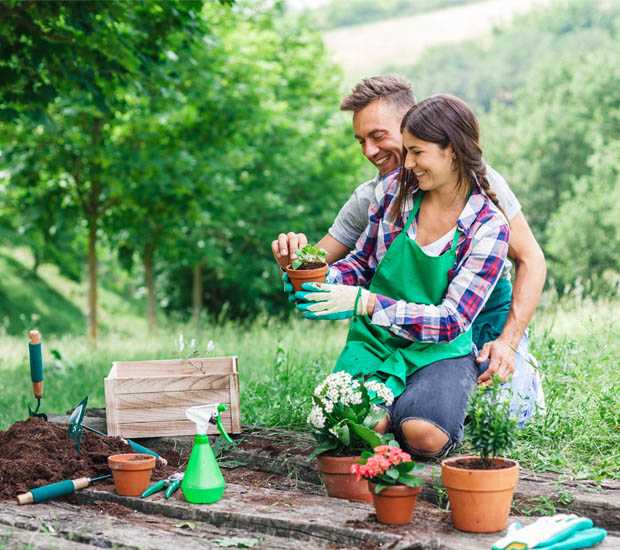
x=367, y=49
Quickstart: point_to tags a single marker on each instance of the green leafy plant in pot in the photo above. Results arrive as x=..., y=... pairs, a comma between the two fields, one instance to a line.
x=480, y=488
x=344, y=412
x=310, y=266
x=392, y=481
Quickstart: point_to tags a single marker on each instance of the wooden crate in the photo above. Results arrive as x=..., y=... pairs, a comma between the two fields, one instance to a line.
x=149, y=398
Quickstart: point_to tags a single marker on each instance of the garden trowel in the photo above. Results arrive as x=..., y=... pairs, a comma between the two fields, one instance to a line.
x=36, y=371
x=76, y=427
x=75, y=423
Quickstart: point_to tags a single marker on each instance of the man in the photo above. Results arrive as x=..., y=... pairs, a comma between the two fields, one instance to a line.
x=378, y=105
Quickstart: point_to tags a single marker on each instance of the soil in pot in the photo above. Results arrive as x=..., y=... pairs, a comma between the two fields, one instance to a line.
x=395, y=505
x=480, y=499
x=308, y=273
x=131, y=473
x=339, y=481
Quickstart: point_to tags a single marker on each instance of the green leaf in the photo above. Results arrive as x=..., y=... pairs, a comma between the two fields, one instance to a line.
x=411, y=481
x=323, y=448
x=236, y=542
x=392, y=472
x=379, y=487
x=370, y=437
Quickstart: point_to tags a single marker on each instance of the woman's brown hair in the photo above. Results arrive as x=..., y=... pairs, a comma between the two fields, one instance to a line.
x=445, y=120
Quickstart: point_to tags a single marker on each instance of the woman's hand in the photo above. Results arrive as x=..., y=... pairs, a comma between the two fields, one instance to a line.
x=332, y=302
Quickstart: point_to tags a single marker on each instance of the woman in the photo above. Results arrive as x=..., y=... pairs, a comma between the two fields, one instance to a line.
x=431, y=255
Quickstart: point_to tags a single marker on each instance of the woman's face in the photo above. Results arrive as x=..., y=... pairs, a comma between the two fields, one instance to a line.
x=432, y=165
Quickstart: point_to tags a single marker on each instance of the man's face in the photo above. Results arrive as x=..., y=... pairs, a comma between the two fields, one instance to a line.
x=377, y=129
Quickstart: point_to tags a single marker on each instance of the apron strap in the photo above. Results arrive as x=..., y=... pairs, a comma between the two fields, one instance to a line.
x=416, y=208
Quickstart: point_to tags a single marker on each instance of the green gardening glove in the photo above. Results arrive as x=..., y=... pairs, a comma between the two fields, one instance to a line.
x=332, y=302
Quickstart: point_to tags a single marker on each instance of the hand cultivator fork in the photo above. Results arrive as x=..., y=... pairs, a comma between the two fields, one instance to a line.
x=36, y=372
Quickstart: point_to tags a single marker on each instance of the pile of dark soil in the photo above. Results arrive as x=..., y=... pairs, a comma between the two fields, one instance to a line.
x=35, y=453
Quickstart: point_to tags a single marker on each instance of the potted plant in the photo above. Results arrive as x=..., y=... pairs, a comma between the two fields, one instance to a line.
x=309, y=267
x=344, y=411
x=392, y=482
x=480, y=488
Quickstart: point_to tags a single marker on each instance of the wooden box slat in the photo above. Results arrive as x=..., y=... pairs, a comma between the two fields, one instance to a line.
x=149, y=398
x=170, y=399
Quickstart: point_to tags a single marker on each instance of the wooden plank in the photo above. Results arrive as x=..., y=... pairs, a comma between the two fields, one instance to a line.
x=160, y=384
x=181, y=399
x=111, y=405
x=177, y=367
x=168, y=428
x=235, y=409
x=158, y=414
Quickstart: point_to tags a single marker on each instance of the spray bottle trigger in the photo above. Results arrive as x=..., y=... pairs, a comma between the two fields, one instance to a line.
x=217, y=419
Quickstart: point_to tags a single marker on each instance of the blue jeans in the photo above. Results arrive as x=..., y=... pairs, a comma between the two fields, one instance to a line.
x=439, y=394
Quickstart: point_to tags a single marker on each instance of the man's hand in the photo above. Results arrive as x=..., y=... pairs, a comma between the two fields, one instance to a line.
x=284, y=248
x=333, y=302
x=501, y=359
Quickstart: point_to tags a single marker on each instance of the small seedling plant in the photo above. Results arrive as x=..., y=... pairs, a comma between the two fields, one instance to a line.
x=344, y=411
x=386, y=467
x=491, y=429
x=309, y=256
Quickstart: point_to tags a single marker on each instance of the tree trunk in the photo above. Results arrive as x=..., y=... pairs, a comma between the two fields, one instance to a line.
x=197, y=293
x=149, y=253
x=92, y=278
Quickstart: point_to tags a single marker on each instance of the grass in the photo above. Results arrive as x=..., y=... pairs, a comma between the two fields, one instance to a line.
x=577, y=344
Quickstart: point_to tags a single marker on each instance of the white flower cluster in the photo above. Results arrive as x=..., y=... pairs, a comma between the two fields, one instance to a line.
x=338, y=388
x=382, y=391
x=316, y=418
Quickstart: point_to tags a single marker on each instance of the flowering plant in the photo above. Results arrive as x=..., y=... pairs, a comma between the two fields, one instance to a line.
x=344, y=411
x=389, y=465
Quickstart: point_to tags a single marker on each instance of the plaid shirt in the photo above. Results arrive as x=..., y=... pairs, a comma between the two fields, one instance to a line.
x=481, y=252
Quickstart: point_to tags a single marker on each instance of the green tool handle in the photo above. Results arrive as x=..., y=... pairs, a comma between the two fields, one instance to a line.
x=157, y=486
x=55, y=490
x=135, y=446
x=172, y=488
x=36, y=369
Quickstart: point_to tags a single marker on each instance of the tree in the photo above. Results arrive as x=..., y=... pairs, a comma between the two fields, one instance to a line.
x=121, y=49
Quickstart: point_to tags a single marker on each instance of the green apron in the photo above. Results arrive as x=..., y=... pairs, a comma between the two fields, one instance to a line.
x=404, y=273
x=491, y=320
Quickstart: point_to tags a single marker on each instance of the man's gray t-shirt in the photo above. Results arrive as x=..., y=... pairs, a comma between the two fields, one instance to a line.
x=353, y=216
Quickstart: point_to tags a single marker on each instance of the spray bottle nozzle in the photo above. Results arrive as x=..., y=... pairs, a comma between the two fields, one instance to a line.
x=202, y=415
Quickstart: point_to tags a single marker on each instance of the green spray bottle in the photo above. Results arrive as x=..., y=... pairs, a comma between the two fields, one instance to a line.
x=203, y=482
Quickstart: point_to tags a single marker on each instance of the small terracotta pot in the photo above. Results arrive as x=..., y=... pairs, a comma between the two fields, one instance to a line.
x=300, y=276
x=395, y=505
x=131, y=473
x=339, y=481
x=480, y=500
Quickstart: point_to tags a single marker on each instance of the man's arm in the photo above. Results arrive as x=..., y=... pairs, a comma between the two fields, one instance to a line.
x=335, y=249
x=531, y=271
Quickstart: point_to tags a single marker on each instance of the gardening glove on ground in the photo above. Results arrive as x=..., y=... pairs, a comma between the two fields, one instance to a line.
x=559, y=532
x=288, y=287
x=332, y=302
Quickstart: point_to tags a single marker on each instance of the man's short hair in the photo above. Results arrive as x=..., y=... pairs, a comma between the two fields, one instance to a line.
x=392, y=88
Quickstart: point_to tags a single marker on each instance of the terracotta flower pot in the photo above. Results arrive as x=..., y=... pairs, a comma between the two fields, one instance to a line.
x=480, y=499
x=339, y=481
x=131, y=473
x=395, y=505
x=300, y=276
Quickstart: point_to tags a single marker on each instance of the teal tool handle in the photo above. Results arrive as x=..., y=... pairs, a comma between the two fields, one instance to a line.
x=36, y=362
x=53, y=490
x=141, y=449
x=582, y=539
x=172, y=488
x=157, y=486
